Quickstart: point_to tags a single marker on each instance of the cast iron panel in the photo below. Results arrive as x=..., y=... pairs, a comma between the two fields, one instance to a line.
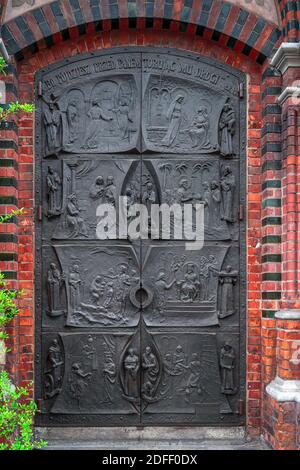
x=139, y=332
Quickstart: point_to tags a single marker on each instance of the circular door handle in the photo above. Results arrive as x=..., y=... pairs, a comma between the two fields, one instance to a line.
x=141, y=296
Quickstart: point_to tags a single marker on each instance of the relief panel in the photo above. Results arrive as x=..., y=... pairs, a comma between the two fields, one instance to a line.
x=92, y=368
x=197, y=381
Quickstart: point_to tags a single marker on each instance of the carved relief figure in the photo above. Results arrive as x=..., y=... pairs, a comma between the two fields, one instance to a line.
x=124, y=117
x=110, y=191
x=75, y=283
x=199, y=129
x=97, y=188
x=207, y=202
x=123, y=287
x=174, y=117
x=161, y=286
x=75, y=223
x=97, y=116
x=110, y=373
x=73, y=120
x=194, y=378
x=227, y=363
x=109, y=370
x=89, y=351
x=215, y=204
x=179, y=360
x=53, y=181
x=227, y=130
x=150, y=373
x=131, y=368
x=97, y=289
x=206, y=272
x=179, y=367
x=52, y=126
x=78, y=380
x=227, y=279
x=54, y=370
x=149, y=196
x=55, y=280
x=228, y=187
x=190, y=285
x=183, y=192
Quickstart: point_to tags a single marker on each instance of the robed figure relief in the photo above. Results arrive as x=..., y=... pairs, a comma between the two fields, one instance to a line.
x=54, y=184
x=53, y=127
x=150, y=368
x=55, y=282
x=75, y=283
x=53, y=370
x=228, y=280
x=199, y=129
x=227, y=363
x=75, y=222
x=97, y=116
x=131, y=370
x=174, y=116
x=227, y=130
x=228, y=187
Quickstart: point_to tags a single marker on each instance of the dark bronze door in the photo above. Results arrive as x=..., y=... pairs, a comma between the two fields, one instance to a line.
x=139, y=331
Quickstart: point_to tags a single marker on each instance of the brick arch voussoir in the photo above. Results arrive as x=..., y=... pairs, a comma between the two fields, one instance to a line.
x=224, y=23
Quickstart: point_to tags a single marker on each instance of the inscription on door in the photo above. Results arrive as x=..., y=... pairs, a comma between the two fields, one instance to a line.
x=139, y=331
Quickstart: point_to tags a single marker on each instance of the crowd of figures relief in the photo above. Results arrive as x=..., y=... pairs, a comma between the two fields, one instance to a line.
x=104, y=117
x=151, y=377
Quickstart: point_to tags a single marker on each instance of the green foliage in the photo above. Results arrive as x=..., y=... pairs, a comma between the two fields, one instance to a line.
x=16, y=410
x=16, y=416
x=8, y=308
x=7, y=217
x=2, y=65
x=15, y=107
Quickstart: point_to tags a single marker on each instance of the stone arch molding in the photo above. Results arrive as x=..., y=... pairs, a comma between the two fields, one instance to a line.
x=254, y=24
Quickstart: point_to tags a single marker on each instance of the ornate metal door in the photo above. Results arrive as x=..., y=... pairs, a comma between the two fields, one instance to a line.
x=139, y=332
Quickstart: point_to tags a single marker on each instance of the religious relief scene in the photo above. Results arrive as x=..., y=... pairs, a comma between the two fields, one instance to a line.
x=196, y=375
x=210, y=182
x=92, y=286
x=91, y=382
x=181, y=116
x=93, y=117
x=185, y=285
x=74, y=190
x=169, y=377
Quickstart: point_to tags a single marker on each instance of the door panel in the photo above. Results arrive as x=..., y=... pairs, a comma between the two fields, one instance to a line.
x=139, y=332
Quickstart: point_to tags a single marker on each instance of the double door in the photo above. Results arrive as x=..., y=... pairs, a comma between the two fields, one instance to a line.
x=139, y=330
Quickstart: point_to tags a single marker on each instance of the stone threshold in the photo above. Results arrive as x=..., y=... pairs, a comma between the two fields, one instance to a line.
x=149, y=438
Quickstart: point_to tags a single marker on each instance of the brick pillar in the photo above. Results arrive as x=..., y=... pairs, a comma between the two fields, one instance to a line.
x=281, y=421
x=8, y=202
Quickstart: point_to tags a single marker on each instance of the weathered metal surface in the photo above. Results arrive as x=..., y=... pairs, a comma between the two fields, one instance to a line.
x=139, y=332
